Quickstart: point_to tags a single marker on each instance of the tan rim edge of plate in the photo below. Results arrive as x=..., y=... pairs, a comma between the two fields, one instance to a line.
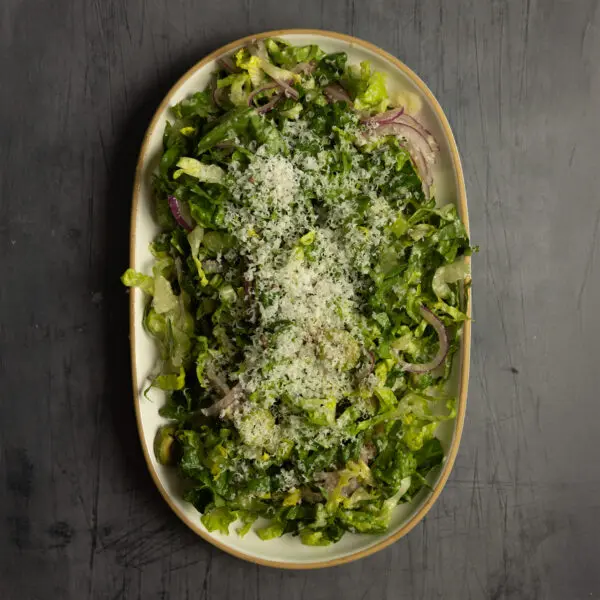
x=466, y=345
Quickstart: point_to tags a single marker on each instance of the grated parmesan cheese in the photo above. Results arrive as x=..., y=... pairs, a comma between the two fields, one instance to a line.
x=308, y=321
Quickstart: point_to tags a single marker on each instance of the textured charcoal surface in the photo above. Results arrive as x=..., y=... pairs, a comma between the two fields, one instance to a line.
x=79, y=515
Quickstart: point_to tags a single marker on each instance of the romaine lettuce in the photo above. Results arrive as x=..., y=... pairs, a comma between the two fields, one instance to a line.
x=289, y=310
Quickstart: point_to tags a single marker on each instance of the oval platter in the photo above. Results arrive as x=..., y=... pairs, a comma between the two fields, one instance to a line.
x=287, y=551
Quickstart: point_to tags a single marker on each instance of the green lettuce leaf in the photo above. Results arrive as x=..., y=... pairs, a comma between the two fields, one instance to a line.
x=358, y=471
x=248, y=518
x=312, y=537
x=270, y=532
x=456, y=271
x=228, y=127
x=331, y=67
x=201, y=171
x=367, y=88
x=252, y=64
x=289, y=56
x=199, y=105
x=172, y=381
x=195, y=238
x=218, y=519
x=164, y=299
x=131, y=278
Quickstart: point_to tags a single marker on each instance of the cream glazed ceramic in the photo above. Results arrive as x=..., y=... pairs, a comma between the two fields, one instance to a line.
x=288, y=552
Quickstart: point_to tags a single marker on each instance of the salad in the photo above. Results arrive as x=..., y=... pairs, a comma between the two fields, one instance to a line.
x=306, y=296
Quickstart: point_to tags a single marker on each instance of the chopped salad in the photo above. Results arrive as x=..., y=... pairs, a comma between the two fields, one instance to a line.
x=306, y=297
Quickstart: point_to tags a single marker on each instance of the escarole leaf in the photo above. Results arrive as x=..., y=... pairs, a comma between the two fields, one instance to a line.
x=367, y=88
x=456, y=271
x=202, y=172
x=132, y=278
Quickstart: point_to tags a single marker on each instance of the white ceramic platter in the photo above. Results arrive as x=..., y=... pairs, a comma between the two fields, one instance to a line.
x=288, y=552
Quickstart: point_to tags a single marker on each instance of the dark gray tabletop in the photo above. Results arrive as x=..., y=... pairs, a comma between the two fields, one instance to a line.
x=79, y=515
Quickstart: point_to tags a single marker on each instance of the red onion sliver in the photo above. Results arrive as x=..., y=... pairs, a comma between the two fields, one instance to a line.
x=227, y=63
x=336, y=93
x=265, y=108
x=442, y=351
x=413, y=137
x=248, y=288
x=412, y=122
x=216, y=381
x=262, y=88
x=288, y=90
x=385, y=117
x=177, y=210
x=259, y=49
x=235, y=393
x=419, y=142
x=422, y=170
x=217, y=96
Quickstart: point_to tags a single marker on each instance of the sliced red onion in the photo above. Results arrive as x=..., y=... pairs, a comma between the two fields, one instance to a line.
x=248, y=288
x=309, y=496
x=371, y=362
x=420, y=151
x=328, y=479
x=336, y=93
x=304, y=67
x=227, y=63
x=367, y=367
x=413, y=137
x=351, y=487
x=368, y=452
x=225, y=144
x=385, y=117
x=235, y=393
x=218, y=383
x=259, y=49
x=419, y=141
x=265, y=108
x=217, y=96
x=179, y=211
x=437, y=360
x=423, y=170
x=412, y=122
x=262, y=88
x=288, y=90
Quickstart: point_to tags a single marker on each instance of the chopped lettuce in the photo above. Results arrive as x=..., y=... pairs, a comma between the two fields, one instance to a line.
x=367, y=88
x=229, y=126
x=447, y=274
x=165, y=300
x=198, y=105
x=251, y=64
x=289, y=56
x=172, y=381
x=132, y=278
x=218, y=519
x=280, y=317
x=202, y=172
x=272, y=531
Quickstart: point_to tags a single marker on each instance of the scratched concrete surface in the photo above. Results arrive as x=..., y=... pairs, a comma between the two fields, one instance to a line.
x=79, y=517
